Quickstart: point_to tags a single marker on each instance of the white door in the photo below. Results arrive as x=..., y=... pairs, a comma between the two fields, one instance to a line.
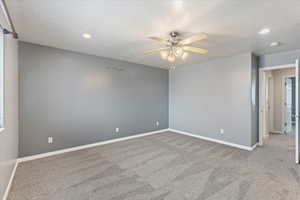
x=288, y=105
x=297, y=111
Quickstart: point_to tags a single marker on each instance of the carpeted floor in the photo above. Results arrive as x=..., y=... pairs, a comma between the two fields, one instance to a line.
x=164, y=166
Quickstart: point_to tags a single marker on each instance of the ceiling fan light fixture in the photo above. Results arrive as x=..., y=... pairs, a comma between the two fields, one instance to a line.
x=164, y=54
x=177, y=47
x=184, y=55
x=171, y=58
x=179, y=52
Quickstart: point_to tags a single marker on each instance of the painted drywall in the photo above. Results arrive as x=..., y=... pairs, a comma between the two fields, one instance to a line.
x=278, y=95
x=9, y=137
x=282, y=58
x=207, y=97
x=79, y=99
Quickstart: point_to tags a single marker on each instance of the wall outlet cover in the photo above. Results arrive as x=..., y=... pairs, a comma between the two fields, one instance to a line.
x=221, y=131
x=157, y=123
x=50, y=140
x=117, y=130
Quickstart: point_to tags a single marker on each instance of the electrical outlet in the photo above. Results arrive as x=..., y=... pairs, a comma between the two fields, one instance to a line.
x=221, y=131
x=50, y=140
x=117, y=130
x=157, y=123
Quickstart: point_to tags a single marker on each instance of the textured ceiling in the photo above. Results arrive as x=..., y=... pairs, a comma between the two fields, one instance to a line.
x=120, y=28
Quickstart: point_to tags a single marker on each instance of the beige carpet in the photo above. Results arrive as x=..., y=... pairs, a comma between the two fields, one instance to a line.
x=164, y=166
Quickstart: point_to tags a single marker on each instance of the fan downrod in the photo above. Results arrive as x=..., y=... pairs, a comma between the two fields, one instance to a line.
x=174, y=34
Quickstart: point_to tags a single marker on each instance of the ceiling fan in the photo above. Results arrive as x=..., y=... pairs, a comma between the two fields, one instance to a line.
x=176, y=47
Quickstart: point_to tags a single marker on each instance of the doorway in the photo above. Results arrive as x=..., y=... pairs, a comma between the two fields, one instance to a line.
x=278, y=103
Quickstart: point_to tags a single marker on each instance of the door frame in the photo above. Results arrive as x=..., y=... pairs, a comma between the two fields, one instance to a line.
x=262, y=103
x=270, y=101
x=297, y=111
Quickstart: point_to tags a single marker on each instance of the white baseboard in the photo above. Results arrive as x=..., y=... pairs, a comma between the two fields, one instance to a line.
x=254, y=146
x=278, y=132
x=43, y=155
x=10, y=181
x=215, y=140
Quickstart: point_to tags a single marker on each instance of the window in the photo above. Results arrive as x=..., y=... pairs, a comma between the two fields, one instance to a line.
x=1, y=80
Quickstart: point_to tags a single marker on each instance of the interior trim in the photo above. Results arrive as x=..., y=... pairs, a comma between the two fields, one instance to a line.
x=8, y=19
x=277, y=67
x=244, y=147
x=44, y=155
x=52, y=153
x=10, y=181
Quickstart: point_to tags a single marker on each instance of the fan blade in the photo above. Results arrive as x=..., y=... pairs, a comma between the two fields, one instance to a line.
x=166, y=42
x=155, y=50
x=195, y=49
x=193, y=38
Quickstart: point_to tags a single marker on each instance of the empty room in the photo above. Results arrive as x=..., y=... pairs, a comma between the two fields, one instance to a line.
x=149, y=100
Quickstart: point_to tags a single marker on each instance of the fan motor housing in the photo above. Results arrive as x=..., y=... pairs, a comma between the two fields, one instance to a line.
x=174, y=34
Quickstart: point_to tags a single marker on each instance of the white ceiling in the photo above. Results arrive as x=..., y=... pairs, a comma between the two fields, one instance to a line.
x=120, y=28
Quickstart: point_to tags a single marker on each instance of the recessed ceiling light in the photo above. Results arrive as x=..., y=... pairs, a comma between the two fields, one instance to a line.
x=264, y=31
x=274, y=44
x=86, y=35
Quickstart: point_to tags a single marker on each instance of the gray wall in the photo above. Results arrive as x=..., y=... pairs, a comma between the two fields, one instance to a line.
x=282, y=58
x=9, y=137
x=80, y=99
x=207, y=97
